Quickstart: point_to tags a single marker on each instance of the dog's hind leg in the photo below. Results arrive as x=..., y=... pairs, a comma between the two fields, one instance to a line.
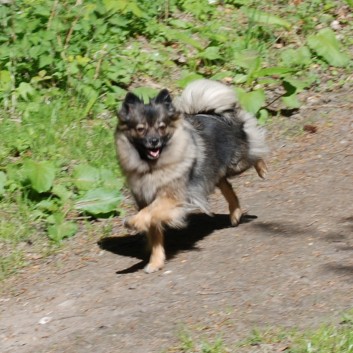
x=232, y=199
x=261, y=168
x=156, y=239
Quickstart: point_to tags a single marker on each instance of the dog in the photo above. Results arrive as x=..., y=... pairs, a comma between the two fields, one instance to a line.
x=174, y=153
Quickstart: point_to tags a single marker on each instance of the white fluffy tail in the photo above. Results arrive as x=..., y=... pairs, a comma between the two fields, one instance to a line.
x=255, y=134
x=202, y=96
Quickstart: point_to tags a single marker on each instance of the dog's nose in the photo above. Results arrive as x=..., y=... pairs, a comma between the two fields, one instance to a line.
x=154, y=141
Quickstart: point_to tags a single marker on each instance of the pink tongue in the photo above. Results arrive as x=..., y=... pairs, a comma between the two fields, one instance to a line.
x=154, y=154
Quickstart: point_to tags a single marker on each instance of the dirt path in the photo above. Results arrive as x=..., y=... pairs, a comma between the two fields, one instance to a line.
x=289, y=264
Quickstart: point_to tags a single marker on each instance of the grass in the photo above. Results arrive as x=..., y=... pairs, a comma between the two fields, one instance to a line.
x=58, y=98
x=57, y=133
x=325, y=339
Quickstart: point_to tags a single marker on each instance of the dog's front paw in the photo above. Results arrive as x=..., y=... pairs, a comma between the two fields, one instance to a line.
x=127, y=223
x=157, y=259
x=154, y=266
x=139, y=223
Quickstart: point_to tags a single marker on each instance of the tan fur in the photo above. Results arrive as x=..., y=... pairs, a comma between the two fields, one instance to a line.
x=261, y=168
x=176, y=183
x=173, y=164
x=156, y=239
x=229, y=194
x=164, y=210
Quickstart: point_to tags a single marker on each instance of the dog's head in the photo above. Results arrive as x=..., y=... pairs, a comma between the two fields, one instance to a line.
x=150, y=126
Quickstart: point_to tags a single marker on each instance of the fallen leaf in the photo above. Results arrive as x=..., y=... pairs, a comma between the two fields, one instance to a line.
x=310, y=128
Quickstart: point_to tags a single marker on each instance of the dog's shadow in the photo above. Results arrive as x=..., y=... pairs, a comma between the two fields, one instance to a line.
x=199, y=226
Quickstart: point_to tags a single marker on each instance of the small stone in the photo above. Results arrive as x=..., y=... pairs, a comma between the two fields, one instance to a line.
x=335, y=25
x=44, y=320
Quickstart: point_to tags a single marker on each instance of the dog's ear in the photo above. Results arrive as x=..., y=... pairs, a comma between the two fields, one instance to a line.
x=129, y=101
x=163, y=97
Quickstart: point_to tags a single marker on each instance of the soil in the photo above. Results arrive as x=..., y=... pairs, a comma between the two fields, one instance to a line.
x=288, y=264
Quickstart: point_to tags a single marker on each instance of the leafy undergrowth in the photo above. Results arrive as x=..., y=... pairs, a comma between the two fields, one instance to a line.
x=65, y=66
x=326, y=339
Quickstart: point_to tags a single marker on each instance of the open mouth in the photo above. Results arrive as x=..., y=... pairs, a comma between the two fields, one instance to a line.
x=153, y=153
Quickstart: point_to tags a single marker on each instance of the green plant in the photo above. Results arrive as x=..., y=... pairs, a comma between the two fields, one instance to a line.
x=66, y=65
x=325, y=339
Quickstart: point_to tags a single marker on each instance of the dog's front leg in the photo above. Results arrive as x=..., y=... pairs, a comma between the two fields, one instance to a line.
x=157, y=258
x=140, y=222
x=162, y=211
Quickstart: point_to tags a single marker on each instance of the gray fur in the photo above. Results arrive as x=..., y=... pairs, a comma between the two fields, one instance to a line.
x=214, y=139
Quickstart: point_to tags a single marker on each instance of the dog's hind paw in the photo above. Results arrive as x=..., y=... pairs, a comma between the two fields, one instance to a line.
x=235, y=217
x=261, y=168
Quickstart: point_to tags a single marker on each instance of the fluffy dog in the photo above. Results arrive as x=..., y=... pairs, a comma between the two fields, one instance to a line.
x=174, y=154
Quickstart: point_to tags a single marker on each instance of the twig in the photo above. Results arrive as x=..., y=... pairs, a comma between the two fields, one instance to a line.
x=52, y=13
x=73, y=269
x=99, y=63
x=276, y=99
x=216, y=293
x=69, y=33
x=166, y=9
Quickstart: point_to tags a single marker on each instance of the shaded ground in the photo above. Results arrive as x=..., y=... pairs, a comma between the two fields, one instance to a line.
x=288, y=264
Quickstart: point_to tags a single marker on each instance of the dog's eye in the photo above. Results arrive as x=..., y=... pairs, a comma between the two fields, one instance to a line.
x=162, y=127
x=140, y=129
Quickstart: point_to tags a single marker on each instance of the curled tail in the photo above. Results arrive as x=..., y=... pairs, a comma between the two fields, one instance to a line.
x=208, y=96
x=203, y=96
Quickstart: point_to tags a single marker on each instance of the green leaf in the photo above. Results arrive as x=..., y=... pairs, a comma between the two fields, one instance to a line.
x=326, y=45
x=146, y=93
x=296, y=57
x=25, y=90
x=135, y=9
x=124, y=6
x=265, y=18
x=45, y=60
x=115, y=6
x=251, y=101
x=85, y=177
x=221, y=75
x=291, y=101
x=5, y=81
x=262, y=116
x=188, y=78
x=110, y=180
x=90, y=103
x=61, y=192
x=3, y=179
x=186, y=39
x=210, y=53
x=290, y=89
x=273, y=71
x=40, y=174
x=60, y=228
x=177, y=23
x=60, y=231
x=240, y=78
x=47, y=205
x=247, y=59
x=299, y=84
x=99, y=201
